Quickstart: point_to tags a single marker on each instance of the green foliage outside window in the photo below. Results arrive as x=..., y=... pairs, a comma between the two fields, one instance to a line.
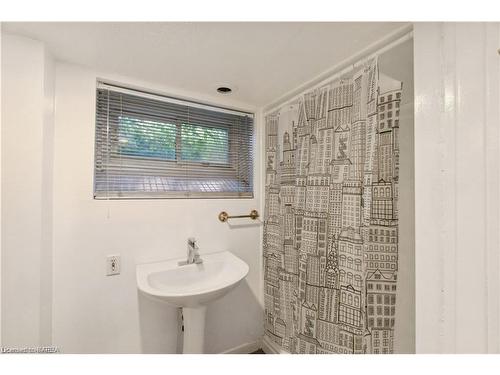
x=200, y=143
x=145, y=138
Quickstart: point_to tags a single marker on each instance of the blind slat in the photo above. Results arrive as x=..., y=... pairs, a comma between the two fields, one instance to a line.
x=146, y=147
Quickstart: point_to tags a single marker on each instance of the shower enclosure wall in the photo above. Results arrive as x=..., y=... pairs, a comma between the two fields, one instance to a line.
x=332, y=239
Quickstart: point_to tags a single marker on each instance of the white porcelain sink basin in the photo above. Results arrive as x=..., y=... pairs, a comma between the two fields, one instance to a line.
x=192, y=287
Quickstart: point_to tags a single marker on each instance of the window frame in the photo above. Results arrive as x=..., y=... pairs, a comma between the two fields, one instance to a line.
x=177, y=164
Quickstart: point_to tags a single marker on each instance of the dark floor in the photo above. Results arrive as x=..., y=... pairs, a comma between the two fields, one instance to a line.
x=260, y=351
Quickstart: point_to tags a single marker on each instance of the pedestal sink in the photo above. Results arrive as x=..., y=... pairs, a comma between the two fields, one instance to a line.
x=191, y=287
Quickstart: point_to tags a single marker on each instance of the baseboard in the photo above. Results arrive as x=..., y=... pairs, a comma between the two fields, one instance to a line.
x=266, y=344
x=270, y=347
x=247, y=348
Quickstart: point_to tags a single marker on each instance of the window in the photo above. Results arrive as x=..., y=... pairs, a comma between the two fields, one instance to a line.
x=358, y=265
x=152, y=146
x=342, y=260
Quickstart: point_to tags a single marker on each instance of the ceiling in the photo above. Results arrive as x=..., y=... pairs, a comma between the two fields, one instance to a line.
x=262, y=61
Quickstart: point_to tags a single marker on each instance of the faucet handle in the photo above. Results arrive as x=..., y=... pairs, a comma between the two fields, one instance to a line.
x=192, y=241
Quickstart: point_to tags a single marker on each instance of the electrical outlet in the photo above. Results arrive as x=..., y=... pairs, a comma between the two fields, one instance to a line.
x=113, y=265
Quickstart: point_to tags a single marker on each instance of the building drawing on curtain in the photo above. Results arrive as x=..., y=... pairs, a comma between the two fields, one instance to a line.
x=331, y=218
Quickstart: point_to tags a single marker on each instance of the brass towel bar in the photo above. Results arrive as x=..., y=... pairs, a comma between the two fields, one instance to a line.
x=223, y=216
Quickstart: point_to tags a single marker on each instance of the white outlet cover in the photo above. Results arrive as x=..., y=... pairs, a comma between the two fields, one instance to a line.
x=113, y=265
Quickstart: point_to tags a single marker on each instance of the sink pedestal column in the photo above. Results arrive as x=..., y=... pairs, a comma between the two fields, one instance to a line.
x=194, y=329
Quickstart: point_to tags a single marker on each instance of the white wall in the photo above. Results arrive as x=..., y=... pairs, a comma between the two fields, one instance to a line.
x=93, y=313
x=47, y=160
x=0, y=188
x=27, y=82
x=457, y=187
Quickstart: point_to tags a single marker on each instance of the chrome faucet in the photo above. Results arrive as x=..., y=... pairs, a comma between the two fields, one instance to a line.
x=193, y=256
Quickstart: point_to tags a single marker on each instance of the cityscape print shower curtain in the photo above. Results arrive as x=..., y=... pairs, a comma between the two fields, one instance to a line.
x=331, y=217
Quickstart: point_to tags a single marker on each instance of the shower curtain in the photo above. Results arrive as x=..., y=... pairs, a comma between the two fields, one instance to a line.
x=331, y=216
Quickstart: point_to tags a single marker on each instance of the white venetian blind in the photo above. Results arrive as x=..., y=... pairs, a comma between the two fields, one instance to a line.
x=152, y=146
